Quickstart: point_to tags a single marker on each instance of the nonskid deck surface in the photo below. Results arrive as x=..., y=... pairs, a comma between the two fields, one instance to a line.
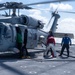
x=37, y=64
x=38, y=53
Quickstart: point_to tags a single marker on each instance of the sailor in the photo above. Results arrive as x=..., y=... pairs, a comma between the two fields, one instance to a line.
x=19, y=41
x=26, y=55
x=50, y=34
x=51, y=46
x=66, y=41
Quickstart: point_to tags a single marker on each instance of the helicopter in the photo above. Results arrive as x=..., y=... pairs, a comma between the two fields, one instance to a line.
x=8, y=24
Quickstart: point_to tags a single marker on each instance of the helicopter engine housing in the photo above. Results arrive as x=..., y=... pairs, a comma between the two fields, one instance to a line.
x=31, y=22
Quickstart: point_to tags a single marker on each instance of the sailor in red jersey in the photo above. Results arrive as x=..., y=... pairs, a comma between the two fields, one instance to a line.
x=51, y=40
x=51, y=44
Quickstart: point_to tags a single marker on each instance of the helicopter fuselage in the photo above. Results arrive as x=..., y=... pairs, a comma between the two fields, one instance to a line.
x=8, y=31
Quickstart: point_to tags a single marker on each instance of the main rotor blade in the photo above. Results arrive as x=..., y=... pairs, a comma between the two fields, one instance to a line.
x=67, y=12
x=47, y=2
x=26, y=7
x=3, y=8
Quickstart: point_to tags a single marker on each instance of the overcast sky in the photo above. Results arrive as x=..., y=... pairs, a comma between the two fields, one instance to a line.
x=66, y=22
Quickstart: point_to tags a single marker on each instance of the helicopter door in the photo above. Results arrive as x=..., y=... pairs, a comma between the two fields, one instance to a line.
x=13, y=34
x=0, y=35
x=5, y=38
x=32, y=38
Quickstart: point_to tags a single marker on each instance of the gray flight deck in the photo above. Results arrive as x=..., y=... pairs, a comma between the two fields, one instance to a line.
x=38, y=65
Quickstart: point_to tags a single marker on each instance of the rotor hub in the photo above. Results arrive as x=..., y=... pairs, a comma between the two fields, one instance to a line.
x=13, y=5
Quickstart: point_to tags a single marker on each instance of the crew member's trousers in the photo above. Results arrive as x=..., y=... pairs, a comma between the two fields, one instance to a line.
x=52, y=50
x=67, y=48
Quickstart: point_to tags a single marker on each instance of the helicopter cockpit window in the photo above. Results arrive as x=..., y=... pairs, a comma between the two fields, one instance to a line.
x=0, y=32
x=3, y=31
x=6, y=32
x=24, y=20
